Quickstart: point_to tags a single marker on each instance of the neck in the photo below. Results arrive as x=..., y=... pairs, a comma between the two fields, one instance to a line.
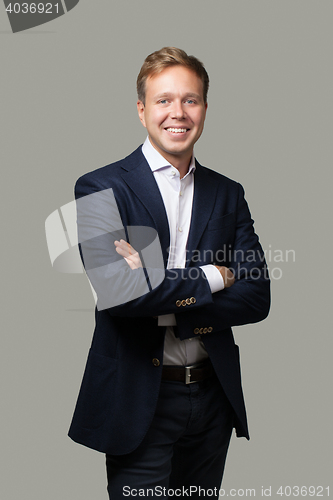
x=180, y=162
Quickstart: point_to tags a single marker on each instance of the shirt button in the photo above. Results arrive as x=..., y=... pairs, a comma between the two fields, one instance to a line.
x=180, y=229
x=180, y=193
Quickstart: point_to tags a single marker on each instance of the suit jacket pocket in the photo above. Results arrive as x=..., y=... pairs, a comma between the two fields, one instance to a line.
x=96, y=390
x=221, y=222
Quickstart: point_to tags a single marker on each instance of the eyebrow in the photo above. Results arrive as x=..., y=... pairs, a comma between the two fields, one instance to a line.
x=169, y=94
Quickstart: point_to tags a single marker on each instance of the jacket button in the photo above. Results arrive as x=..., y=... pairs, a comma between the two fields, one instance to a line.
x=156, y=362
x=178, y=303
x=209, y=329
x=196, y=331
x=193, y=300
x=205, y=330
x=201, y=330
x=183, y=302
x=188, y=302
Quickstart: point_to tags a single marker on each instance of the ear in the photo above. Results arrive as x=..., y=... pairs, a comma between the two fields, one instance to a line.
x=141, y=112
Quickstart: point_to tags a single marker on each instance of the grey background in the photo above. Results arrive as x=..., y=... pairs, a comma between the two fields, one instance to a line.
x=68, y=106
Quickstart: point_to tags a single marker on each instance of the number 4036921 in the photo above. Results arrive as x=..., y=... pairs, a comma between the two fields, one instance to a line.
x=33, y=8
x=303, y=491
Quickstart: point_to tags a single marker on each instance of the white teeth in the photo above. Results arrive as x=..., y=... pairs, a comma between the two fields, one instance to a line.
x=176, y=130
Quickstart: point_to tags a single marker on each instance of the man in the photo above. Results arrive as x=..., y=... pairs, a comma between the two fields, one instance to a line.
x=162, y=391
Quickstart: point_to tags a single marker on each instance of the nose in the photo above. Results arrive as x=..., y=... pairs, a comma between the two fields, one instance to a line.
x=177, y=110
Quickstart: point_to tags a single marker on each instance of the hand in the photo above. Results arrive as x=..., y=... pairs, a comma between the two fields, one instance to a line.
x=130, y=255
x=227, y=275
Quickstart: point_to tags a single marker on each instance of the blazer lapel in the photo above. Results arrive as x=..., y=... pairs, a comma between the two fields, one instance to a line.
x=205, y=190
x=140, y=179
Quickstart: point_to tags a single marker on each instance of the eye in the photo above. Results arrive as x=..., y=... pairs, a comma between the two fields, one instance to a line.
x=190, y=101
x=162, y=101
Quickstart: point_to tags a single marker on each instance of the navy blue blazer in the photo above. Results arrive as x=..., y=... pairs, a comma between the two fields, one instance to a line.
x=120, y=386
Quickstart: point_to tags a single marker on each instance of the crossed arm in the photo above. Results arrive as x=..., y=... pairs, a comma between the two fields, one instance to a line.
x=133, y=260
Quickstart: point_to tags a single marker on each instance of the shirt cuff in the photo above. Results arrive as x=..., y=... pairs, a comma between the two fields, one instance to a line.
x=214, y=277
x=167, y=320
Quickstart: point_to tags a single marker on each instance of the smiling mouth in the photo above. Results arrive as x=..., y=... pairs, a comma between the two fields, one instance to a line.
x=177, y=130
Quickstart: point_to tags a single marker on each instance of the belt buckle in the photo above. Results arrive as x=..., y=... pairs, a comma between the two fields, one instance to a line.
x=188, y=374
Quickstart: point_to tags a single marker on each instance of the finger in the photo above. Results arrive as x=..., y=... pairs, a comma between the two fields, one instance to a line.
x=122, y=248
x=122, y=251
x=126, y=247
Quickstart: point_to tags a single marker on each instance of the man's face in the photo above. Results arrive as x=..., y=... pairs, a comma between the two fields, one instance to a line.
x=174, y=112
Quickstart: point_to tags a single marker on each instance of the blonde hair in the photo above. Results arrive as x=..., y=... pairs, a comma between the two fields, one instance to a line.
x=169, y=56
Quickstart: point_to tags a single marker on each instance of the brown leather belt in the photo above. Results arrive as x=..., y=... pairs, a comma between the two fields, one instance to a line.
x=188, y=374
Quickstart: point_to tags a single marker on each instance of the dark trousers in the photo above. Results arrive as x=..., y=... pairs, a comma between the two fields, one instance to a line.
x=185, y=447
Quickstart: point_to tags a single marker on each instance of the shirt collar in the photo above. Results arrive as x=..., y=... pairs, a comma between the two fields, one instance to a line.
x=156, y=161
